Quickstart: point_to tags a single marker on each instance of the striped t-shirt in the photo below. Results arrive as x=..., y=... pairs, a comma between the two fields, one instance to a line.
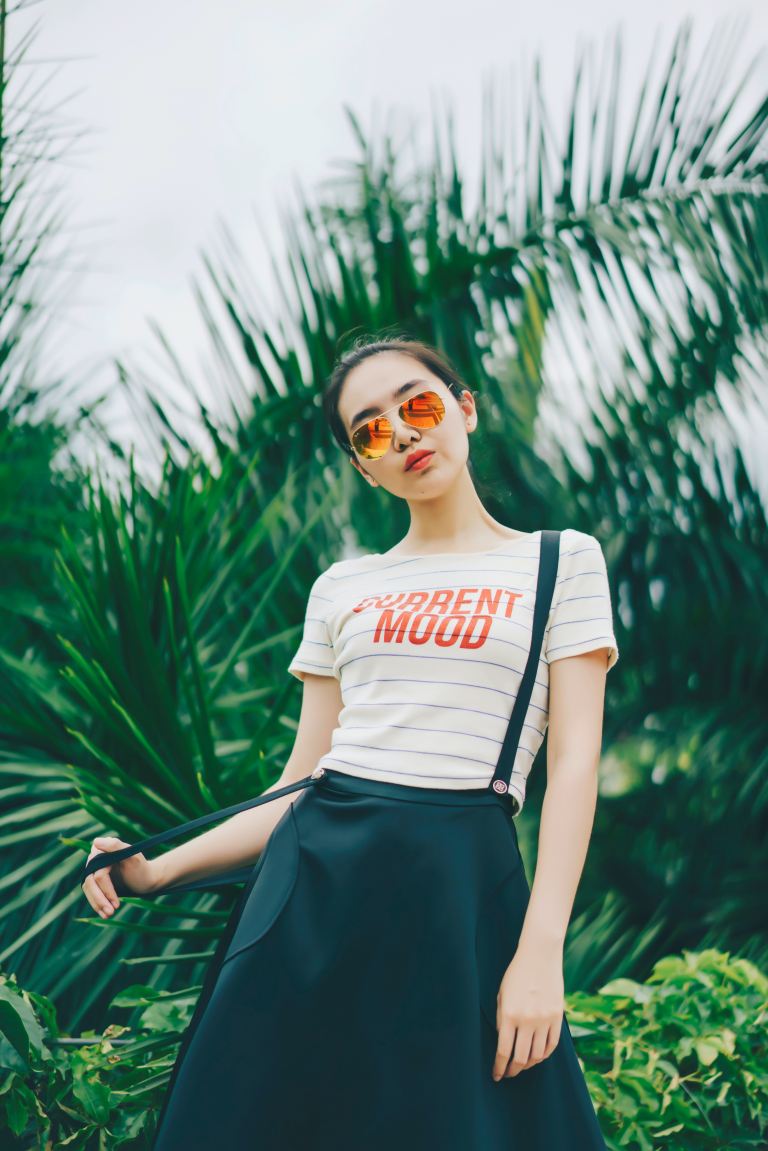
x=430, y=651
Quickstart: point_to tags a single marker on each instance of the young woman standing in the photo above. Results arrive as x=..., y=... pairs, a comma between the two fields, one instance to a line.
x=388, y=978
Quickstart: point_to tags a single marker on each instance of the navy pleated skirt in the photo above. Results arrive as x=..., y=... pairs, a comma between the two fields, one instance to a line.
x=350, y=1004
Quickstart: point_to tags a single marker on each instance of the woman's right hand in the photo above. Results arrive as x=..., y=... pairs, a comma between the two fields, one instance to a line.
x=136, y=873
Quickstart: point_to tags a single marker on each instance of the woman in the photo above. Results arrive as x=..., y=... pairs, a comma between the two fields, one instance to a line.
x=388, y=978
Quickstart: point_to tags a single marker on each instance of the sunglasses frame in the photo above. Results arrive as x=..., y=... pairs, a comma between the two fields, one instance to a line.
x=401, y=405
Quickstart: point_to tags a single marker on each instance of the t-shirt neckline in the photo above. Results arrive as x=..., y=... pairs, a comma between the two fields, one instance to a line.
x=456, y=555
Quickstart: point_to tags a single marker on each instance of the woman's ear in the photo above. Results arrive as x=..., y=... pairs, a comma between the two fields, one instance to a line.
x=368, y=479
x=469, y=409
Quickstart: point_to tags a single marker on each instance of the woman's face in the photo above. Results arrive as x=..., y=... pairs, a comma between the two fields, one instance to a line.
x=374, y=387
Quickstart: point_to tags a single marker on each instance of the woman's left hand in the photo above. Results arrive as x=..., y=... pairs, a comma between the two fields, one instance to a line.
x=529, y=1011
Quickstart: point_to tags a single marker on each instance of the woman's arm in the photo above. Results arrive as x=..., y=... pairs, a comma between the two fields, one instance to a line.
x=236, y=842
x=531, y=1000
x=240, y=839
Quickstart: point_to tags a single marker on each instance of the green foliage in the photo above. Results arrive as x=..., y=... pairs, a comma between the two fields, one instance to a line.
x=162, y=696
x=608, y=304
x=103, y=1093
x=680, y=1061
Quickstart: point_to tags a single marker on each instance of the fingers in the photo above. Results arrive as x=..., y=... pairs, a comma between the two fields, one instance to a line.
x=98, y=898
x=98, y=887
x=504, y=1045
x=521, y=1053
x=521, y=1047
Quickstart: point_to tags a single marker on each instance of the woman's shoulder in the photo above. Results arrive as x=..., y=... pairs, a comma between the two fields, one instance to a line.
x=337, y=572
x=573, y=538
x=354, y=564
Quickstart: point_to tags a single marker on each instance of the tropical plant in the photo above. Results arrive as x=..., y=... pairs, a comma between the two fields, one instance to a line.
x=680, y=1060
x=608, y=301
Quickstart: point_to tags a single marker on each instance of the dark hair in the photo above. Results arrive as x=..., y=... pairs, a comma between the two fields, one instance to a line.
x=362, y=349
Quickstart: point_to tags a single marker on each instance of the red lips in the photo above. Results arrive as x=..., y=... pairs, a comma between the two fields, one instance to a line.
x=414, y=456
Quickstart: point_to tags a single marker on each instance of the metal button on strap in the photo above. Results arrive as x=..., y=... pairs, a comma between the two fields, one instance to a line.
x=500, y=786
x=318, y=773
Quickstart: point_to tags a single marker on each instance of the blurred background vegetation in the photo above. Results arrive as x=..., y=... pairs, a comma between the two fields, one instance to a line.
x=608, y=303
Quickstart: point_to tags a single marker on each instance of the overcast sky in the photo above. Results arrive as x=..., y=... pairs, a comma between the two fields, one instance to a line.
x=197, y=113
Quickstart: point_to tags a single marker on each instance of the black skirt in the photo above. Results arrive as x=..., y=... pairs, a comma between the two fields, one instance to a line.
x=351, y=1001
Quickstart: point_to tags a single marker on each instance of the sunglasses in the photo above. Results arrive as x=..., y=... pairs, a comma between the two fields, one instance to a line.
x=373, y=438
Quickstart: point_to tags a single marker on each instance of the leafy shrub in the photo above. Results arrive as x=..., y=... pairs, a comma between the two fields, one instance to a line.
x=58, y=1092
x=678, y=1063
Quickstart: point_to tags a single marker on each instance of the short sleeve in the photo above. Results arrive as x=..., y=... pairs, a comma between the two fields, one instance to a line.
x=315, y=652
x=581, y=617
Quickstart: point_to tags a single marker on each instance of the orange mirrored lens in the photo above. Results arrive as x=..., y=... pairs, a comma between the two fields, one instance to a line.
x=373, y=438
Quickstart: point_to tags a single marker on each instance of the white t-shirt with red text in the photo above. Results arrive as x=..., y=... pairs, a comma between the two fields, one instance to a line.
x=430, y=651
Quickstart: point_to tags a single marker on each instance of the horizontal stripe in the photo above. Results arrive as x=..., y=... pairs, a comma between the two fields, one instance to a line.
x=445, y=731
x=385, y=702
x=394, y=771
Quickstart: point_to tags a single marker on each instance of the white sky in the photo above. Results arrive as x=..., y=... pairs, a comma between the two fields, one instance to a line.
x=197, y=113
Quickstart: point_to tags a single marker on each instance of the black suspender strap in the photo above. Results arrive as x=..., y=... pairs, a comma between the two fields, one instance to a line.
x=549, y=554
x=104, y=858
